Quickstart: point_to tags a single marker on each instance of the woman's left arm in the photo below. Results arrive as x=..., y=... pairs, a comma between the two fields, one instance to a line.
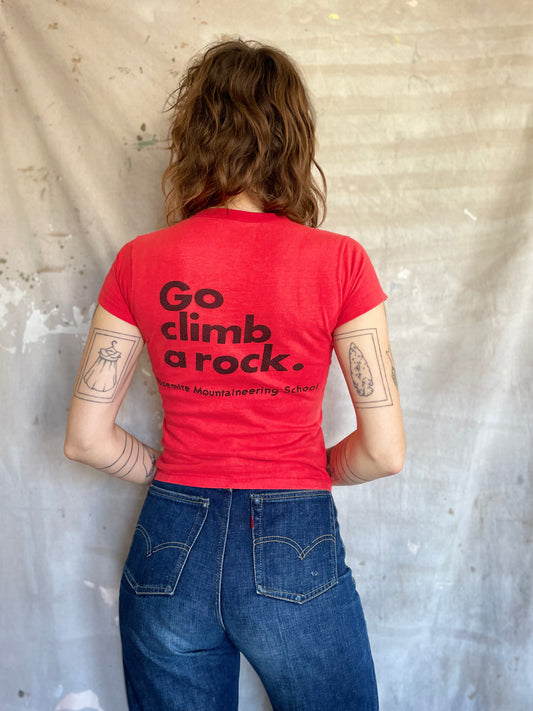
x=111, y=353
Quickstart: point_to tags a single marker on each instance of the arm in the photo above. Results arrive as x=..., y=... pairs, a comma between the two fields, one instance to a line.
x=377, y=447
x=111, y=353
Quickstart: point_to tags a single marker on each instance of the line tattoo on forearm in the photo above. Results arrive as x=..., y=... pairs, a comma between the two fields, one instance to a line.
x=133, y=453
x=150, y=472
x=338, y=466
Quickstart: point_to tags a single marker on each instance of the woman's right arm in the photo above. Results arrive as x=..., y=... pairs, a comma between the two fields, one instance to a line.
x=112, y=350
x=377, y=447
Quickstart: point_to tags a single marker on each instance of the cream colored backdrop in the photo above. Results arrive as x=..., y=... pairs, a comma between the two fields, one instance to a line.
x=426, y=136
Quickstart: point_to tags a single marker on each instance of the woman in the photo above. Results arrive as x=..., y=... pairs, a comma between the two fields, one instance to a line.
x=240, y=302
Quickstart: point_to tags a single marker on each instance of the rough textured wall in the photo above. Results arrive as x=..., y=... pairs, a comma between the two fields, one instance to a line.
x=426, y=136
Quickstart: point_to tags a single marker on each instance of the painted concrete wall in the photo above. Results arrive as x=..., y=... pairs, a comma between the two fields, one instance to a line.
x=425, y=125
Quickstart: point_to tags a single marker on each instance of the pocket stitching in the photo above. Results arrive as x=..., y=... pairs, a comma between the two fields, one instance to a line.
x=144, y=590
x=302, y=552
x=147, y=538
x=298, y=598
x=172, y=544
x=177, y=496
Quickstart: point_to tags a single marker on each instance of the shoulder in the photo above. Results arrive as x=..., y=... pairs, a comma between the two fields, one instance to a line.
x=157, y=236
x=143, y=244
x=343, y=248
x=330, y=238
x=322, y=237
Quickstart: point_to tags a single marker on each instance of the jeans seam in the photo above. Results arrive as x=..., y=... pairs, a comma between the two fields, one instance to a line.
x=333, y=528
x=220, y=565
x=276, y=496
x=177, y=496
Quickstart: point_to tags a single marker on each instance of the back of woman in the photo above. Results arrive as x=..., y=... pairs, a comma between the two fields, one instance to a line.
x=237, y=309
x=240, y=302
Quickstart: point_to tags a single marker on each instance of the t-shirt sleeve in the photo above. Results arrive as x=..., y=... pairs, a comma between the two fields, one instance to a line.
x=362, y=290
x=115, y=294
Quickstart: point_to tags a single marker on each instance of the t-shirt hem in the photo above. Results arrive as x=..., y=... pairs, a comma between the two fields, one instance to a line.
x=348, y=316
x=116, y=311
x=322, y=483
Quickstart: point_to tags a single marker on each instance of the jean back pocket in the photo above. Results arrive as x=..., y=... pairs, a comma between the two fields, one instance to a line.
x=294, y=544
x=168, y=527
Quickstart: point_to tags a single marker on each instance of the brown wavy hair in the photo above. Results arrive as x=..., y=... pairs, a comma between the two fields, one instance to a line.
x=242, y=121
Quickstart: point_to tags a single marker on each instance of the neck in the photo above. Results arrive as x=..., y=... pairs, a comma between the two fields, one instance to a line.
x=243, y=201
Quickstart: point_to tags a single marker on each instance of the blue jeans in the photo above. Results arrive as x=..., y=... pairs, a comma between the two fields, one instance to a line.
x=215, y=572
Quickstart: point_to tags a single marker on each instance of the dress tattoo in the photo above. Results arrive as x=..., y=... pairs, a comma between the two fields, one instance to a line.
x=105, y=364
x=102, y=375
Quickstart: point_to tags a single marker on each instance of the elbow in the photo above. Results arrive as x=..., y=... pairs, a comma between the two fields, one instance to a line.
x=391, y=462
x=78, y=449
x=395, y=462
x=72, y=451
x=85, y=438
x=393, y=467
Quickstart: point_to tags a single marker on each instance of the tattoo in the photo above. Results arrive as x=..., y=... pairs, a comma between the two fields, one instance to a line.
x=360, y=372
x=389, y=355
x=338, y=467
x=102, y=375
x=105, y=365
x=152, y=460
x=367, y=368
x=133, y=452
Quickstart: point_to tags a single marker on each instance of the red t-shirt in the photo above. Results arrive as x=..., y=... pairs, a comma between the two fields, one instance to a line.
x=237, y=310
